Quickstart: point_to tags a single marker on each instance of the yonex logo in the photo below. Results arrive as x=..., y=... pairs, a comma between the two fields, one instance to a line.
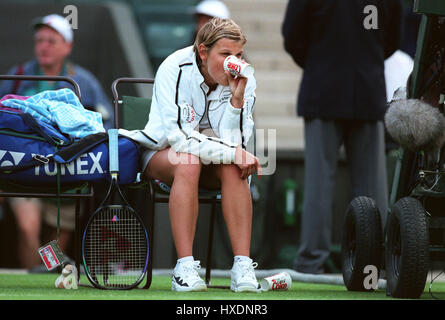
x=79, y=166
x=87, y=163
x=10, y=158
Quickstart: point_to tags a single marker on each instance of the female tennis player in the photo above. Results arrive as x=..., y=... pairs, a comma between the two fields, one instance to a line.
x=199, y=125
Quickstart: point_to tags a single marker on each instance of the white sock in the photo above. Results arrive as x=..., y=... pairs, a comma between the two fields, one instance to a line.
x=185, y=259
x=238, y=259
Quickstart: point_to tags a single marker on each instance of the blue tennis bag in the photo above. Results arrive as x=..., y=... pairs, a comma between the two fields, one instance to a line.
x=33, y=153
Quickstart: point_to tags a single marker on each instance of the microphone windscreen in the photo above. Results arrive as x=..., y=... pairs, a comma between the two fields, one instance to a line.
x=415, y=125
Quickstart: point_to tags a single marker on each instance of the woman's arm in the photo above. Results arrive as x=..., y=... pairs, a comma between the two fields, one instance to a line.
x=237, y=123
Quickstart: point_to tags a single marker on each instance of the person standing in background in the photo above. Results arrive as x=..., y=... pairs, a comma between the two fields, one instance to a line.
x=341, y=46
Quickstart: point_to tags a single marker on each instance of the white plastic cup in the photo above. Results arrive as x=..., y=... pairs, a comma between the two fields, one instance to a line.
x=277, y=282
x=68, y=279
x=238, y=67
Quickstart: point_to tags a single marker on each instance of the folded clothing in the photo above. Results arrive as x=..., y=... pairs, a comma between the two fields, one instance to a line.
x=60, y=108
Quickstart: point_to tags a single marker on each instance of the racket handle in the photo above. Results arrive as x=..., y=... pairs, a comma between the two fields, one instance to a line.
x=113, y=150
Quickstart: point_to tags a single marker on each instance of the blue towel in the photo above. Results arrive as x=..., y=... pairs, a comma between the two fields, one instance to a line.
x=60, y=108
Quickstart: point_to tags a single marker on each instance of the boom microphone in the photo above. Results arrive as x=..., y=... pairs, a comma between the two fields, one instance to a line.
x=415, y=125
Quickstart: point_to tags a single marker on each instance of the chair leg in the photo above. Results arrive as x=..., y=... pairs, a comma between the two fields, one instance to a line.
x=150, y=238
x=77, y=231
x=210, y=244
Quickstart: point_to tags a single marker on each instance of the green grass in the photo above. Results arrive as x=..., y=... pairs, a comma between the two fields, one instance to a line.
x=41, y=287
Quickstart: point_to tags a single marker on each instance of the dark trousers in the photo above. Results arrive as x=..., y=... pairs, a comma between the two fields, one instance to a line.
x=365, y=152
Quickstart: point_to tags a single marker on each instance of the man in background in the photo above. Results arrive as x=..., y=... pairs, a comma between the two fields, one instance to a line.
x=341, y=47
x=53, y=42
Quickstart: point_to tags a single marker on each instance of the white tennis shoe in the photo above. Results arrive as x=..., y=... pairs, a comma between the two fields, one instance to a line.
x=186, y=278
x=243, y=277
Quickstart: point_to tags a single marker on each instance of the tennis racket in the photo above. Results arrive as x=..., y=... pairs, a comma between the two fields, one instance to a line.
x=115, y=240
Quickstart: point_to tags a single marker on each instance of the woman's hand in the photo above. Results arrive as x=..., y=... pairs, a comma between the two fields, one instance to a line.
x=247, y=162
x=237, y=87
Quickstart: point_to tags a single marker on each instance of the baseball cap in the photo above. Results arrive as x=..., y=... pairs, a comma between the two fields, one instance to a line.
x=213, y=8
x=57, y=23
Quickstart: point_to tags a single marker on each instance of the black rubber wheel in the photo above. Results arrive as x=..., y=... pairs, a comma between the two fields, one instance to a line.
x=407, y=249
x=362, y=242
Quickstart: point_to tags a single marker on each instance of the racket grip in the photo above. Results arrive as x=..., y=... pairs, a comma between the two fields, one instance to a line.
x=113, y=150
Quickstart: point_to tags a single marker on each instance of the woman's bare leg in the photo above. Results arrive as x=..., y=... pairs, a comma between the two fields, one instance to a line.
x=236, y=205
x=183, y=176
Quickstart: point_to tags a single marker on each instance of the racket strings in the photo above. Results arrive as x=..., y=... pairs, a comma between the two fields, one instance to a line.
x=116, y=248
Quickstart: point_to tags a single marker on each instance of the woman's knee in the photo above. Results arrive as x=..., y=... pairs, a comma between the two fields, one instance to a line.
x=229, y=172
x=187, y=167
x=166, y=164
